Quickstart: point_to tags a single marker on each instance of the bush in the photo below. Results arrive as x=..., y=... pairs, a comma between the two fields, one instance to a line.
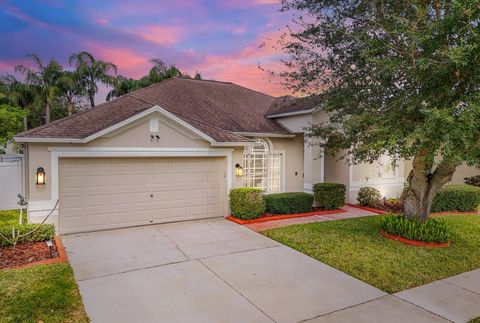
x=457, y=198
x=369, y=196
x=289, y=203
x=473, y=180
x=247, y=203
x=43, y=233
x=432, y=230
x=329, y=196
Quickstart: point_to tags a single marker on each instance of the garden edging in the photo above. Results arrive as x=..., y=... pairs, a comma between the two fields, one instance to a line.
x=62, y=257
x=282, y=217
x=414, y=243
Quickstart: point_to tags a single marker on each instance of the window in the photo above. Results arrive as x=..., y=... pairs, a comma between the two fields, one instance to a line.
x=262, y=167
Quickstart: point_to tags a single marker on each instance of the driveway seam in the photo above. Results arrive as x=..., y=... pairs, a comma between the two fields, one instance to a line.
x=236, y=252
x=173, y=241
x=233, y=288
x=423, y=308
x=136, y=269
x=341, y=309
x=461, y=287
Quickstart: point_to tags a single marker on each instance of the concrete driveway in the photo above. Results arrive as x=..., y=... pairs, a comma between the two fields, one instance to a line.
x=204, y=271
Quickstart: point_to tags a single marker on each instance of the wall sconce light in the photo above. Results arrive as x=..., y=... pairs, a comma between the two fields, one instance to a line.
x=40, y=176
x=238, y=170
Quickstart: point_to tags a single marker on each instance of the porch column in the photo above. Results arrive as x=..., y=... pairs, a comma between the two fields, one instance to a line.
x=313, y=165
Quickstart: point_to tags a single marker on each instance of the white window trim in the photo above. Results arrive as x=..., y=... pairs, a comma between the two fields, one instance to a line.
x=282, y=154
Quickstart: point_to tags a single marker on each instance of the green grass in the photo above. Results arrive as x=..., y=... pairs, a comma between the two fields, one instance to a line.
x=9, y=218
x=45, y=293
x=356, y=247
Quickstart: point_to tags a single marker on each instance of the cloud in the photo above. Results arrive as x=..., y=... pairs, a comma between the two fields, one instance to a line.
x=161, y=35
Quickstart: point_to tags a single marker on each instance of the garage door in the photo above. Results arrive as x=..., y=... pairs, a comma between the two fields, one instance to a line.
x=105, y=193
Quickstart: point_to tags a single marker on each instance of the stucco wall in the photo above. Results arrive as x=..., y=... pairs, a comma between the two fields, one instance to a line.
x=461, y=172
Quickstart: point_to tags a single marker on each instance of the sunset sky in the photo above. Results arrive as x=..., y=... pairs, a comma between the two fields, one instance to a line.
x=224, y=40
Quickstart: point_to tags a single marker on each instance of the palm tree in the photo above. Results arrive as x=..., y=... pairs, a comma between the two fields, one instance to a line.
x=123, y=86
x=71, y=88
x=43, y=80
x=16, y=93
x=92, y=72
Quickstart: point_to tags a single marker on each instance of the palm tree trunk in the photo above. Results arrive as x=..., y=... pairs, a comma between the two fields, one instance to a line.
x=91, y=97
x=47, y=113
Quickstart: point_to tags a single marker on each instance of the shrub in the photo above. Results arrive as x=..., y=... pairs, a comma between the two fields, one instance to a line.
x=473, y=180
x=457, y=198
x=369, y=196
x=289, y=203
x=432, y=230
x=43, y=233
x=247, y=203
x=329, y=196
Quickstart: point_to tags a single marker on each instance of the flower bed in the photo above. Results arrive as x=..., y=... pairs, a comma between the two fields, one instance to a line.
x=414, y=242
x=28, y=254
x=271, y=217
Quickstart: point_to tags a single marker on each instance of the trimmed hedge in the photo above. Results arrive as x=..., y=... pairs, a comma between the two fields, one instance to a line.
x=432, y=230
x=289, y=203
x=43, y=233
x=247, y=203
x=329, y=196
x=457, y=198
x=369, y=196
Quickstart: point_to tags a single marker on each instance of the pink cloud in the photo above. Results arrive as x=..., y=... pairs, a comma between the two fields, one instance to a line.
x=128, y=62
x=161, y=35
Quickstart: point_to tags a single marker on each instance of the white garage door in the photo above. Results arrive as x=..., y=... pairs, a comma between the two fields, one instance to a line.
x=104, y=193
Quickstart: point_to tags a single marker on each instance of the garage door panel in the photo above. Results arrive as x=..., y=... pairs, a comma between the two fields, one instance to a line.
x=102, y=193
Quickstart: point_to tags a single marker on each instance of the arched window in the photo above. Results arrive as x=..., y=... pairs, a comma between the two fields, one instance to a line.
x=262, y=167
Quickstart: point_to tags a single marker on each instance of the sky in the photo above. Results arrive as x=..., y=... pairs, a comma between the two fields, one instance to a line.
x=224, y=40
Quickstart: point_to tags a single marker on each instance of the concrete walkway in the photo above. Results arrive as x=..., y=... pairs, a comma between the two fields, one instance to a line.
x=350, y=212
x=204, y=271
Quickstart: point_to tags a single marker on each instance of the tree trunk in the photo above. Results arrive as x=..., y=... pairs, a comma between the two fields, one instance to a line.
x=25, y=123
x=47, y=113
x=70, y=108
x=91, y=97
x=424, y=183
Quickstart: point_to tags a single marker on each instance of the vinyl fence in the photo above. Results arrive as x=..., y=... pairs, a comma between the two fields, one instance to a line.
x=11, y=181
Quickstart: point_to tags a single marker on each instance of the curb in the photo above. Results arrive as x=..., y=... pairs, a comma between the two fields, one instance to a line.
x=414, y=243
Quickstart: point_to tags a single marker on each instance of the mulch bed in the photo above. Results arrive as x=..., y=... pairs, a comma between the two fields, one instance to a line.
x=26, y=253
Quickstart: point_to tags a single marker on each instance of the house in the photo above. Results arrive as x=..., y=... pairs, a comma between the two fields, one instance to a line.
x=172, y=152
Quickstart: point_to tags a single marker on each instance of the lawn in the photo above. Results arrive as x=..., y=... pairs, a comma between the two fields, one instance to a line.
x=10, y=217
x=355, y=246
x=45, y=293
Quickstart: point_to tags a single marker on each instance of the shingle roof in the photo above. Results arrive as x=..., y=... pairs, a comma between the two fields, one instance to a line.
x=290, y=104
x=219, y=109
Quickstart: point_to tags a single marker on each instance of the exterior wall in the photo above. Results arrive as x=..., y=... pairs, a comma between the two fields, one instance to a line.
x=461, y=172
x=336, y=171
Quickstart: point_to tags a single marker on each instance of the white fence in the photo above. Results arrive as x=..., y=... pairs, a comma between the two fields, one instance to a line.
x=11, y=181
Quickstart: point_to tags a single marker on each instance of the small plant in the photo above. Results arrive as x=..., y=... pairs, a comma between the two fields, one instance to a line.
x=432, y=230
x=247, y=203
x=369, y=196
x=26, y=233
x=473, y=180
x=289, y=203
x=463, y=198
x=394, y=205
x=329, y=196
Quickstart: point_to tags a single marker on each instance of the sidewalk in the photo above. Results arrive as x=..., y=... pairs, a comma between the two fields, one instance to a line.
x=352, y=212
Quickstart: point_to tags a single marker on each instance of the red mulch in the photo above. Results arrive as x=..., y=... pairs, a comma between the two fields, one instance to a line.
x=25, y=253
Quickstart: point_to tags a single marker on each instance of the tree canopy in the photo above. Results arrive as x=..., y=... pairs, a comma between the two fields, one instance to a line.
x=396, y=77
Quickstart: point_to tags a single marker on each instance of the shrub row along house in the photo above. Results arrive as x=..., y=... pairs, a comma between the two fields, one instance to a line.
x=173, y=151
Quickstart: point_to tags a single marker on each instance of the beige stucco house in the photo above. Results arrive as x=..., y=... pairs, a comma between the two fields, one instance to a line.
x=173, y=151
